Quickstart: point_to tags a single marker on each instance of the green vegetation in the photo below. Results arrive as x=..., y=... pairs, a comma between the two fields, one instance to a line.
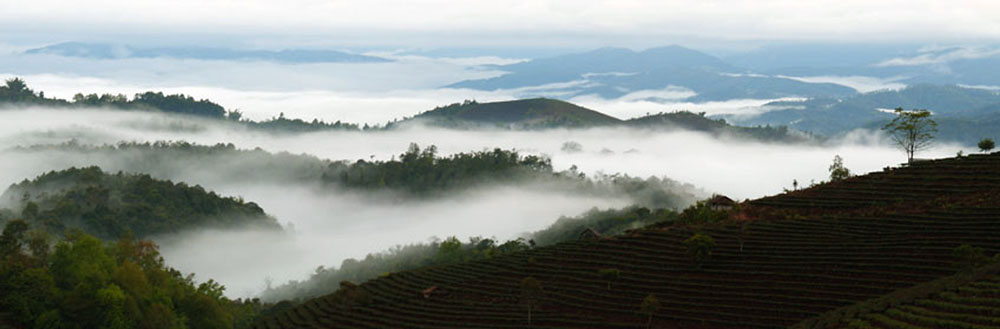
x=838, y=171
x=609, y=222
x=970, y=299
x=420, y=172
x=85, y=283
x=650, y=305
x=699, y=248
x=115, y=205
x=986, y=145
x=911, y=131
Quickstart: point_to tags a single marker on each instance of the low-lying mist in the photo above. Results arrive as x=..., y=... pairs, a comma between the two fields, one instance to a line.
x=325, y=226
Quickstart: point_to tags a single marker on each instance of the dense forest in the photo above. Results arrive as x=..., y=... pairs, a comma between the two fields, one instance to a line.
x=110, y=206
x=84, y=282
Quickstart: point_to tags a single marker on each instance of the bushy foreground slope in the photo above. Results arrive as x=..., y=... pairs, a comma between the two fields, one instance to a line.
x=777, y=262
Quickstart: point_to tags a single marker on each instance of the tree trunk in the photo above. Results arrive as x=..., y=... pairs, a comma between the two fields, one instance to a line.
x=650, y=321
x=529, y=316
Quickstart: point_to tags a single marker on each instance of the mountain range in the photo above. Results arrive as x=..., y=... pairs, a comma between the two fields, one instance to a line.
x=112, y=51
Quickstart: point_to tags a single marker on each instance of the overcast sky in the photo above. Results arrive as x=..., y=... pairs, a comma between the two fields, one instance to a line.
x=575, y=23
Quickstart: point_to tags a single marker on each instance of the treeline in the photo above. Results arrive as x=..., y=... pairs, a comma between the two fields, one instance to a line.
x=605, y=223
x=114, y=205
x=421, y=172
x=719, y=127
x=83, y=282
x=16, y=92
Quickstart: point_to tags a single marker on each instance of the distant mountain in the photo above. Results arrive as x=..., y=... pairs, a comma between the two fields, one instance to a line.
x=112, y=205
x=964, y=114
x=615, y=72
x=541, y=113
x=109, y=51
x=690, y=121
x=525, y=113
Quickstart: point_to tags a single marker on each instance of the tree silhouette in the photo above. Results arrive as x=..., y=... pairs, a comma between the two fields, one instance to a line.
x=986, y=145
x=837, y=170
x=700, y=247
x=531, y=293
x=911, y=131
x=650, y=305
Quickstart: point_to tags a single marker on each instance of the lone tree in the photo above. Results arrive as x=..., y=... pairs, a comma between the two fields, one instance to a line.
x=609, y=275
x=837, y=170
x=699, y=247
x=911, y=131
x=986, y=145
x=968, y=257
x=531, y=293
x=650, y=305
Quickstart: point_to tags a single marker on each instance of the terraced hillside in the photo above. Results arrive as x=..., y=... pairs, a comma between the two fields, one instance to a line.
x=778, y=262
x=970, y=299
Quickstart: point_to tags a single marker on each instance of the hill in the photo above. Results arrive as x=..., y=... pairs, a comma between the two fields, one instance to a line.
x=615, y=72
x=525, y=113
x=958, y=109
x=684, y=120
x=113, y=205
x=776, y=262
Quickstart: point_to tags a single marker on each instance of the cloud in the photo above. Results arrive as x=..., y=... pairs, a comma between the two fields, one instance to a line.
x=544, y=23
x=862, y=84
x=933, y=56
x=330, y=225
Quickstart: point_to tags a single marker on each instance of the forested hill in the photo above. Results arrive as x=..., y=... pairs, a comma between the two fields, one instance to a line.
x=769, y=263
x=525, y=113
x=113, y=205
x=690, y=121
x=16, y=93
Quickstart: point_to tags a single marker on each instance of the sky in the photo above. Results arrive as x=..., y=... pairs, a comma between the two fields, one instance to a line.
x=501, y=23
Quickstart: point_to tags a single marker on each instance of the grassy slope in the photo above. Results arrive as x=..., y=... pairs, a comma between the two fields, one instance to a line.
x=784, y=259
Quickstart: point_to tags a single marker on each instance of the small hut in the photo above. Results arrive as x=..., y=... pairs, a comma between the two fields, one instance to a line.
x=590, y=234
x=721, y=203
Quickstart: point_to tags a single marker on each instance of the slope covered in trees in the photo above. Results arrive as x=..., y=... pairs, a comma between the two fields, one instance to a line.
x=774, y=262
x=83, y=282
x=525, y=113
x=113, y=205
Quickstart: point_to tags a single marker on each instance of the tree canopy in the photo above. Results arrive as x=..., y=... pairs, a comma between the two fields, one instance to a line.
x=113, y=205
x=911, y=131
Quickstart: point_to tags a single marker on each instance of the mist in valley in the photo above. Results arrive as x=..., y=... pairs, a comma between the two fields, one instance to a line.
x=325, y=226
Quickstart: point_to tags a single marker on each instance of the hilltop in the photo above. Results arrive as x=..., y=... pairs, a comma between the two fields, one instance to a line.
x=113, y=205
x=775, y=262
x=524, y=113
